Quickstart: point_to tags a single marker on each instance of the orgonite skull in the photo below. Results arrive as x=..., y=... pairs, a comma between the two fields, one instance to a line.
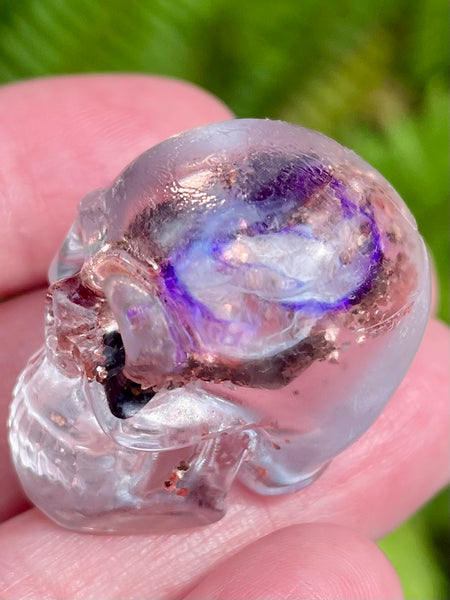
x=241, y=302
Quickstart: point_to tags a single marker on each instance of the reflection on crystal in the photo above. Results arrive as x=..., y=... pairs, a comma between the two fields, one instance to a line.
x=241, y=302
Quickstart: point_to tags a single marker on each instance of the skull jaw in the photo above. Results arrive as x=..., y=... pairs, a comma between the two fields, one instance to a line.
x=85, y=481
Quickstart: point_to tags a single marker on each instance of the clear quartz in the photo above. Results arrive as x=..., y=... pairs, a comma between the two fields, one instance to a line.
x=240, y=303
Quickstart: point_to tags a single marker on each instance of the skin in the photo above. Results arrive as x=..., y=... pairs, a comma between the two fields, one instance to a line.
x=60, y=139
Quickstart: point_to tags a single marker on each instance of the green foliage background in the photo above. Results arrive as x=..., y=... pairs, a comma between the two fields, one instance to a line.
x=373, y=75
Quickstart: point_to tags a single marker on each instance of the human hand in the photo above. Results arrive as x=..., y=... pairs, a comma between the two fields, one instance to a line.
x=61, y=138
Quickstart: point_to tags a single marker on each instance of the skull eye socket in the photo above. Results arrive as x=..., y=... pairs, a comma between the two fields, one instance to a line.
x=125, y=397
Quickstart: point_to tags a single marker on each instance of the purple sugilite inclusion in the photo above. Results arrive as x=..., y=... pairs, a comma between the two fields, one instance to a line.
x=299, y=181
x=295, y=180
x=235, y=256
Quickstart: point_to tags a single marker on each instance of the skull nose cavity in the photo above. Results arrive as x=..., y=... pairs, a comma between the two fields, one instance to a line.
x=146, y=330
x=125, y=397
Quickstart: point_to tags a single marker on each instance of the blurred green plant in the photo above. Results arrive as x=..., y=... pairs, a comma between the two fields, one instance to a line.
x=373, y=75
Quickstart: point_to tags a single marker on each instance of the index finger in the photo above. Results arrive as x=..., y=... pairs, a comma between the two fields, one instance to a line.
x=61, y=138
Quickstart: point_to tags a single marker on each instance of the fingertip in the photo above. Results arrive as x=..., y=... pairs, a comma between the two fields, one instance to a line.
x=435, y=295
x=312, y=560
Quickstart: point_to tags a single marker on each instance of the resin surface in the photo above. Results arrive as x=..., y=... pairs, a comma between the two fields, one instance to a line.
x=241, y=302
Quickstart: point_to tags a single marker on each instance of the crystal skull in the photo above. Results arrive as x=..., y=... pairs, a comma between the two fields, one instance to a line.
x=241, y=302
